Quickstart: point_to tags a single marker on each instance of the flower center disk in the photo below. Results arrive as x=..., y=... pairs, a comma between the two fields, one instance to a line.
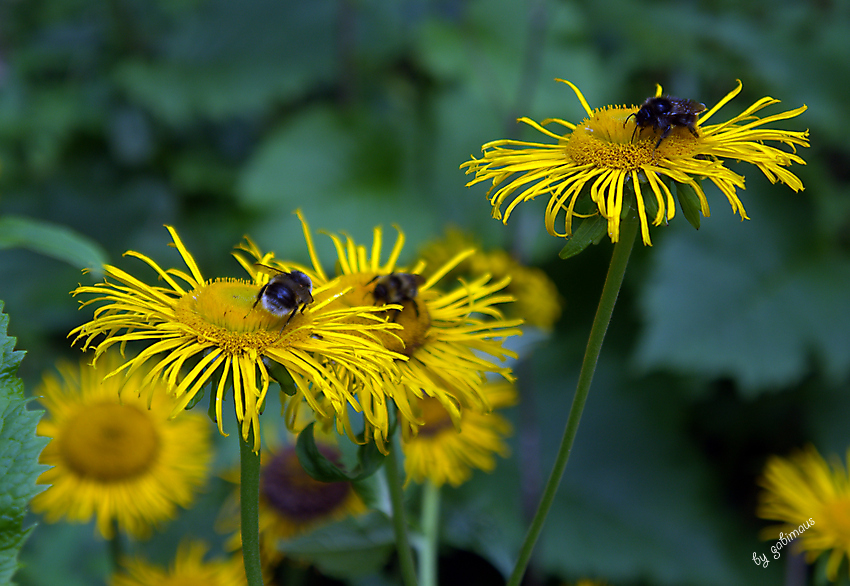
x=605, y=140
x=110, y=443
x=223, y=311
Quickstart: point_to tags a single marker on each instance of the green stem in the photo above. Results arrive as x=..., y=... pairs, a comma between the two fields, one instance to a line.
x=430, y=528
x=249, y=499
x=613, y=282
x=116, y=548
x=405, y=555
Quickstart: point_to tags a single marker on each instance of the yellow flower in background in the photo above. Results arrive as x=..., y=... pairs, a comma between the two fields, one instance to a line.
x=197, y=328
x=451, y=340
x=443, y=453
x=536, y=299
x=811, y=498
x=188, y=569
x=112, y=457
x=291, y=501
x=603, y=154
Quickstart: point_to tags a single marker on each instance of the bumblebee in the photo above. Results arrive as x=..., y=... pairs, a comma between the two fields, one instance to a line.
x=397, y=288
x=285, y=293
x=666, y=113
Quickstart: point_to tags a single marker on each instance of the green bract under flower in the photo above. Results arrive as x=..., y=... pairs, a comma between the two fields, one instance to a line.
x=602, y=155
x=203, y=331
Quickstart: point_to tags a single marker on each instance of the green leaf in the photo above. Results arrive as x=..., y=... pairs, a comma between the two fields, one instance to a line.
x=353, y=547
x=737, y=302
x=590, y=231
x=19, y=451
x=52, y=240
x=689, y=202
x=369, y=460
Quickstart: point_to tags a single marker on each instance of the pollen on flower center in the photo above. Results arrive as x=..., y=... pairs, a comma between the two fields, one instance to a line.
x=290, y=490
x=110, y=442
x=605, y=140
x=223, y=311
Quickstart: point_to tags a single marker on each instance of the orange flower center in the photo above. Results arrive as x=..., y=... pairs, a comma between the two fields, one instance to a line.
x=436, y=418
x=834, y=519
x=110, y=442
x=414, y=317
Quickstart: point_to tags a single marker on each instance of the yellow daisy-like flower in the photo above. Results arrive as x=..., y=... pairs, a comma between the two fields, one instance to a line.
x=450, y=339
x=216, y=326
x=188, y=569
x=113, y=457
x=291, y=501
x=443, y=453
x=537, y=300
x=812, y=500
x=598, y=157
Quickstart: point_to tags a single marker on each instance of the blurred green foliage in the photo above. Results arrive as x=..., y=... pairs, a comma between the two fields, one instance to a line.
x=220, y=118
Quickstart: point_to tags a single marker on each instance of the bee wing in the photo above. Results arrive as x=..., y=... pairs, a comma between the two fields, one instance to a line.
x=266, y=269
x=418, y=279
x=694, y=106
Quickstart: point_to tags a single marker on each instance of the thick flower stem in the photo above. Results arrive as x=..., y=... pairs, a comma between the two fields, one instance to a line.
x=249, y=498
x=116, y=549
x=405, y=555
x=430, y=529
x=613, y=282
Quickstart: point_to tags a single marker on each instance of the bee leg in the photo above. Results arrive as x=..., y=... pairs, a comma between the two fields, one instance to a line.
x=289, y=319
x=693, y=130
x=664, y=135
x=415, y=307
x=256, y=301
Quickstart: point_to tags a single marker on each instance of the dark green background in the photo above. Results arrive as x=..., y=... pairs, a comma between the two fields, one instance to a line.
x=218, y=117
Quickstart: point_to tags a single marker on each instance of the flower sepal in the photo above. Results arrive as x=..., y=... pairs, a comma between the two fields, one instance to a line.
x=690, y=204
x=281, y=376
x=591, y=231
x=321, y=468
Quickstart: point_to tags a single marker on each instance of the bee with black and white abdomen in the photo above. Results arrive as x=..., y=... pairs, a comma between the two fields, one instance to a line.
x=285, y=292
x=664, y=113
x=396, y=288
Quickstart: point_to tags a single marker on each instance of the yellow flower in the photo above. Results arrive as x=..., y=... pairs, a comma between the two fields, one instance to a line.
x=188, y=569
x=537, y=300
x=444, y=453
x=213, y=325
x=112, y=456
x=812, y=500
x=291, y=502
x=450, y=339
x=598, y=157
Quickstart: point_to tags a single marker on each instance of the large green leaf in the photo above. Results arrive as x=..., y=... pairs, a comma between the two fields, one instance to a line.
x=736, y=300
x=53, y=240
x=352, y=547
x=637, y=498
x=19, y=450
